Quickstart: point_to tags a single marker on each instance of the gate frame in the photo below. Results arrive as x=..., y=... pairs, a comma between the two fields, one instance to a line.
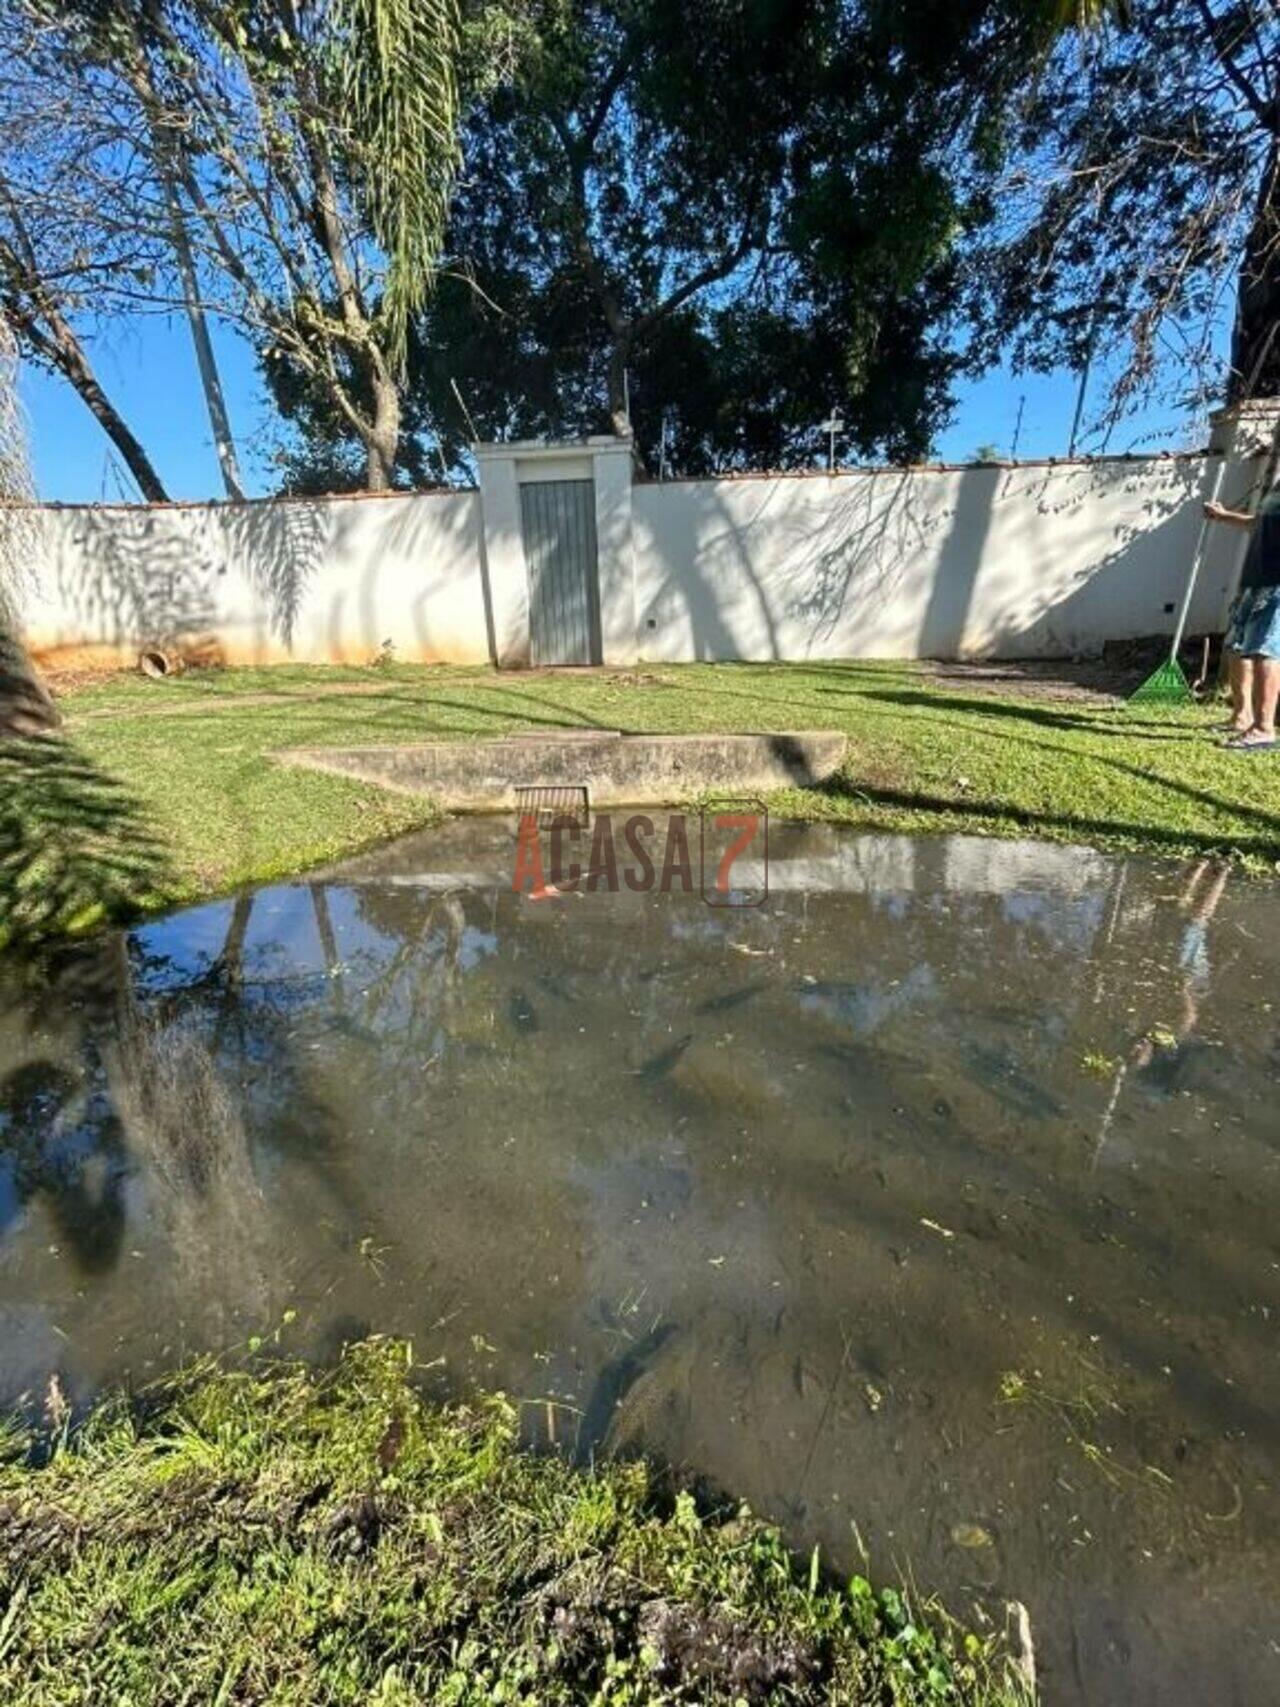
x=504, y=468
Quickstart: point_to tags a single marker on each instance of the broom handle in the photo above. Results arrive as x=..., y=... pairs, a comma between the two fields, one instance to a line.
x=1196, y=561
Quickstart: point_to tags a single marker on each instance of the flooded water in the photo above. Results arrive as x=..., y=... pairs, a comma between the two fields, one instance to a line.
x=932, y=1207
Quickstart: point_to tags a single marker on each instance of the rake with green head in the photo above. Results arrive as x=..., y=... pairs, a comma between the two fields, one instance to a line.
x=1168, y=685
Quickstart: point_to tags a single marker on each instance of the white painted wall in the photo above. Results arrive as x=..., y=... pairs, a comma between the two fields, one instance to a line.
x=315, y=580
x=1036, y=560
x=1027, y=561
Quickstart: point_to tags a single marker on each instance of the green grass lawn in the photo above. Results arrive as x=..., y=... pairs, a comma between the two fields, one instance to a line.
x=290, y=1537
x=193, y=754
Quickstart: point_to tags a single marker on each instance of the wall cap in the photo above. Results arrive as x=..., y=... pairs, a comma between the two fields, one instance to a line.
x=526, y=450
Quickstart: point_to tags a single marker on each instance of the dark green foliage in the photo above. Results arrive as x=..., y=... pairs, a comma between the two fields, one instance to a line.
x=721, y=220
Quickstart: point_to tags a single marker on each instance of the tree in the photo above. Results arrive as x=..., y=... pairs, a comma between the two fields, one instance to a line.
x=37, y=314
x=1145, y=203
x=73, y=847
x=742, y=386
x=25, y=706
x=283, y=166
x=710, y=225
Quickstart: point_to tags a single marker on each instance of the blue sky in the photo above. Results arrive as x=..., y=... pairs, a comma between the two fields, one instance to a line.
x=149, y=372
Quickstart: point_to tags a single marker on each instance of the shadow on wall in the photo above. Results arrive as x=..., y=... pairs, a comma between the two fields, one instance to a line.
x=766, y=566
x=279, y=548
x=867, y=547
x=1128, y=590
x=136, y=577
x=141, y=578
x=324, y=580
x=430, y=548
x=952, y=588
x=1012, y=562
x=1000, y=561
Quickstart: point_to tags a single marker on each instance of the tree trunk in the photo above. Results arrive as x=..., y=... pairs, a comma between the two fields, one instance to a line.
x=382, y=442
x=1255, y=338
x=57, y=344
x=25, y=705
x=619, y=414
x=74, y=364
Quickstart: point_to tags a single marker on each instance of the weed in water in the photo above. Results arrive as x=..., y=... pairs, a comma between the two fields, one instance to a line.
x=1097, y=1065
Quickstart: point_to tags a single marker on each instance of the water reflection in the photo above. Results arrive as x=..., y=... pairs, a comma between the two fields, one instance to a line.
x=939, y=1195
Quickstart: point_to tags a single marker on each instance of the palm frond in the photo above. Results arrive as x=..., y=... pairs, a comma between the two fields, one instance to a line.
x=399, y=61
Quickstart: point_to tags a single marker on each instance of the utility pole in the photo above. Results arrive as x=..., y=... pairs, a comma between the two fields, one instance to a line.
x=168, y=145
x=215, y=402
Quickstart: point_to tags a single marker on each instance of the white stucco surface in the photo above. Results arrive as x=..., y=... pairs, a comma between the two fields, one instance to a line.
x=1029, y=560
x=327, y=580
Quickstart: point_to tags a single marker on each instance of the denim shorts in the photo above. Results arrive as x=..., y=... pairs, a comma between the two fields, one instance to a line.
x=1253, y=627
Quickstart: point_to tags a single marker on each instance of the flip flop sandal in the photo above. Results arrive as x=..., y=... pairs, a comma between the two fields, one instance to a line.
x=1246, y=746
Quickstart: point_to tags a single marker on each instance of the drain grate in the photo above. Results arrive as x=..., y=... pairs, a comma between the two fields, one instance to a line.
x=549, y=801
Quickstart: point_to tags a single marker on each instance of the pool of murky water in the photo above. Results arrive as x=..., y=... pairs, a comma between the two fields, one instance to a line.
x=932, y=1207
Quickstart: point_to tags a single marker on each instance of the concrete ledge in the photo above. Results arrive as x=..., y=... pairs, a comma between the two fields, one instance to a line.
x=615, y=769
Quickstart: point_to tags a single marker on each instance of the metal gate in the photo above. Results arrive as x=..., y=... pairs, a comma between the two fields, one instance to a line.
x=559, y=522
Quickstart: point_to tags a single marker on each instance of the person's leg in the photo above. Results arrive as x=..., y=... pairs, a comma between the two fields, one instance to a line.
x=1266, y=694
x=1240, y=675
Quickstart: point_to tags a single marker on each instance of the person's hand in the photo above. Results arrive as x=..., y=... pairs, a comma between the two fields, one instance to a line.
x=1215, y=511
